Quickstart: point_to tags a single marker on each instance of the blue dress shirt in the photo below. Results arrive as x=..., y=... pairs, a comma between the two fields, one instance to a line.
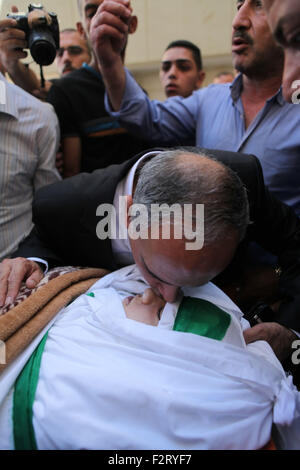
x=213, y=117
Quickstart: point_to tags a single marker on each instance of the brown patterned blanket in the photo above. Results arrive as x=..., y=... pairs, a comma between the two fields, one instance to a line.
x=33, y=309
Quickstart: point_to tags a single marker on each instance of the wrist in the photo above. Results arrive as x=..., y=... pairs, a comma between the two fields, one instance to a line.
x=12, y=66
x=111, y=67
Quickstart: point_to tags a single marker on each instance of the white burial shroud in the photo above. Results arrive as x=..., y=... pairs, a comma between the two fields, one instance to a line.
x=107, y=382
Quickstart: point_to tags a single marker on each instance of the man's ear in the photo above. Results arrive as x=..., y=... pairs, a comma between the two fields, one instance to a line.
x=201, y=78
x=81, y=30
x=129, y=203
x=133, y=24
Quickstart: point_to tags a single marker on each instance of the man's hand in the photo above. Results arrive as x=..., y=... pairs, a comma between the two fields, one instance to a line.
x=12, y=43
x=42, y=93
x=109, y=30
x=15, y=271
x=278, y=337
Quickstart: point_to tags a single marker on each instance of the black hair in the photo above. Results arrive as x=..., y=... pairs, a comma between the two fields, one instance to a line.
x=192, y=47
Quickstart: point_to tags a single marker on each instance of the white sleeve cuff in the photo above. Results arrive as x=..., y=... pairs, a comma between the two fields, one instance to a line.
x=296, y=333
x=41, y=261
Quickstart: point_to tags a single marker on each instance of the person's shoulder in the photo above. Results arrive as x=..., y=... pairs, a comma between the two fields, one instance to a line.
x=212, y=95
x=24, y=100
x=66, y=81
x=234, y=159
x=215, y=89
x=77, y=77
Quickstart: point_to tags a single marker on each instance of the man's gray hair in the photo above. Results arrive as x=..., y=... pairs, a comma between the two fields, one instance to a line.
x=172, y=178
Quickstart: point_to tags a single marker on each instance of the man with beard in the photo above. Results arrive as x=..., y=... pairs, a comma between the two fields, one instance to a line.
x=249, y=115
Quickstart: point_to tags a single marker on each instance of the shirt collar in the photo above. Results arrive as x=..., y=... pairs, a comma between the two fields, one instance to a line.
x=121, y=246
x=128, y=181
x=237, y=87
x=91, y=69
x=7, y=102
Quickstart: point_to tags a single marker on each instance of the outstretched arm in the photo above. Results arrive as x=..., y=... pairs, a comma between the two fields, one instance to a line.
x=169, y=123
x=109, y=33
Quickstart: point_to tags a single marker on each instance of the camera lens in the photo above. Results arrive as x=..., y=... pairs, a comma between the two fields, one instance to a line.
x=42, y=47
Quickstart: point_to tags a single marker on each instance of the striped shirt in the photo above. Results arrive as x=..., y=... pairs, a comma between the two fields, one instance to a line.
x=29, y=134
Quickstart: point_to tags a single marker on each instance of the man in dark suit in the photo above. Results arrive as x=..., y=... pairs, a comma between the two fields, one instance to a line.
x=66, y=220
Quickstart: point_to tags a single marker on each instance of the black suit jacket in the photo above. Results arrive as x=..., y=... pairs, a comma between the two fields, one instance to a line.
x=65, y=220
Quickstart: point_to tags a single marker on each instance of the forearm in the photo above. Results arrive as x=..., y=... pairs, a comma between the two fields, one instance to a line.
x=109, y=31
x=162, y=123
x=23, y=76
x=114, y=78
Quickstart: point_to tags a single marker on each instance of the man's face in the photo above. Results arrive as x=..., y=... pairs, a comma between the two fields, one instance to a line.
x=145, y=308
x=284, y=21
x=166, y=265
x=179, y=75
x=88, y=10
x=254, y=49
x=72, y=53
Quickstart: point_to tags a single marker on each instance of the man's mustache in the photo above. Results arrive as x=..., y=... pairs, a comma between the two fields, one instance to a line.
x=240, y=34
x=68, y=68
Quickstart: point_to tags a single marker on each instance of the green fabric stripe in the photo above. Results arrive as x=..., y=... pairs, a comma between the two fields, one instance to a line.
x=202, y=318
x=24, y=394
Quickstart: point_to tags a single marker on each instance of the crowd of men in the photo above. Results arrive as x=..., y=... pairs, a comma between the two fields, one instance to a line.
x=250, y=123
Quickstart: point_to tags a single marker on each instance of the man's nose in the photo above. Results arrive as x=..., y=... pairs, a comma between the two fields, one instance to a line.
x=172, y=71
x=66, y=56
x=242, y=17
x=167, y=292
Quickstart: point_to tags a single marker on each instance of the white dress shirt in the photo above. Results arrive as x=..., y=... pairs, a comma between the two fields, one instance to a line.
x=29, y=133
x=109, y=382
x=121, y=246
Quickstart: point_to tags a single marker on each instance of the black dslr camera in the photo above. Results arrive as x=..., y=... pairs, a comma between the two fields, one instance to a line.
x=42, y=33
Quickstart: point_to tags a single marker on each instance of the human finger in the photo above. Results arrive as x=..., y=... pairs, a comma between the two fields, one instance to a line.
x=256, y=333
x=7, y=23
x=114, y=11
x=35, y=277
x=21, y=270
x=4, y=275
x=119, y=7
x=11, y=34
x=277, y=336
x=13, y=44
x=109, y=24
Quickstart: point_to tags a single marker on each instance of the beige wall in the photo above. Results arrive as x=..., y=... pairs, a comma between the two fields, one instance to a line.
x=205, y=22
